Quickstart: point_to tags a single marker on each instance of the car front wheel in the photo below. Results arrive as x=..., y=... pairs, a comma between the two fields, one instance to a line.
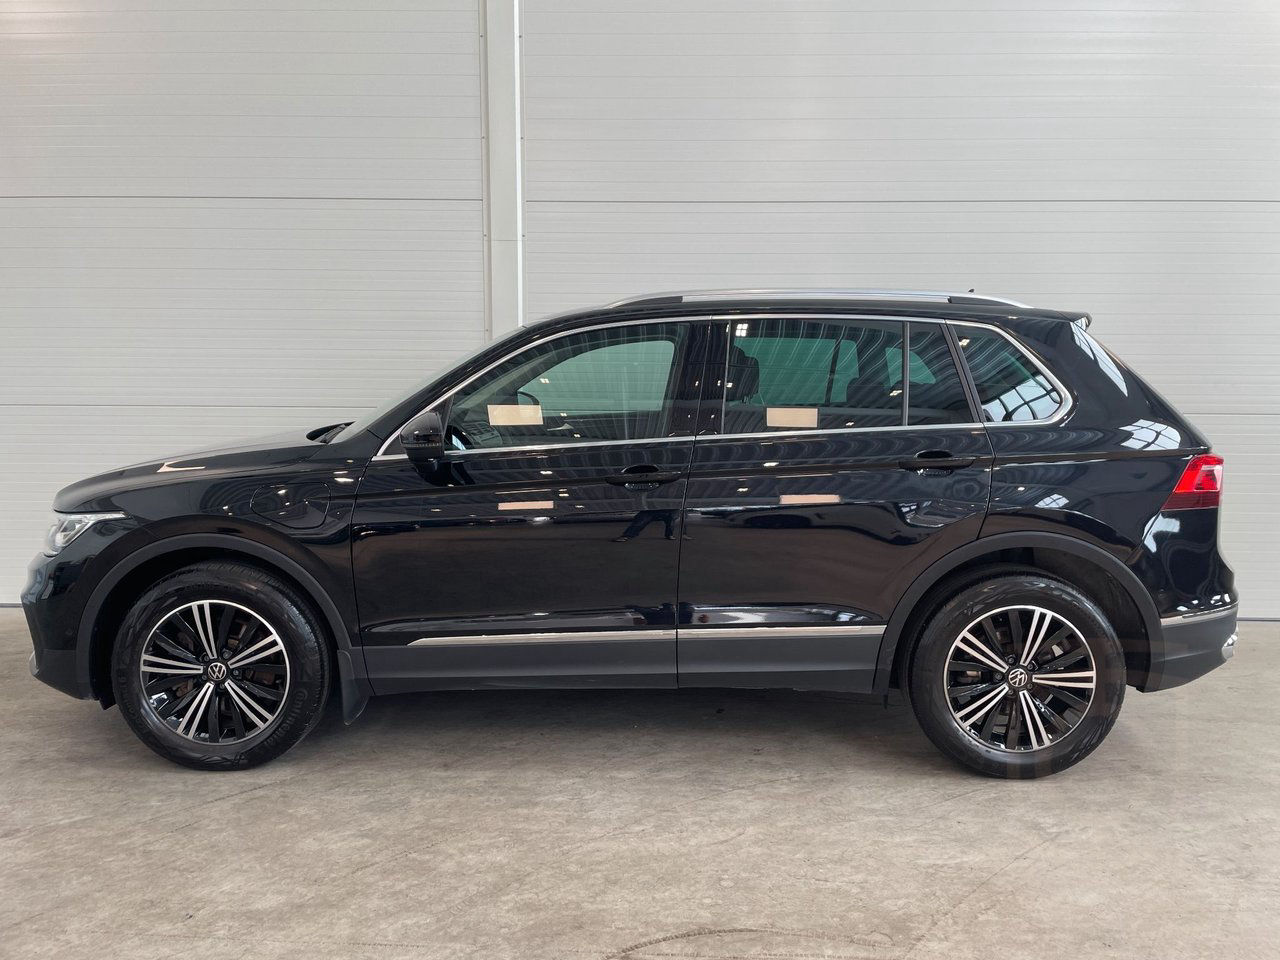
x=1017, y=676
x=220, y=666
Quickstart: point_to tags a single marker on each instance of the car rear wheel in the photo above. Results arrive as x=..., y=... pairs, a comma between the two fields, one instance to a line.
x=1017, y=676
x=220, y=666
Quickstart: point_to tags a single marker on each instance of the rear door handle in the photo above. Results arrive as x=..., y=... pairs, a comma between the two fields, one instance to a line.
x=643, y=476
x=936, y=460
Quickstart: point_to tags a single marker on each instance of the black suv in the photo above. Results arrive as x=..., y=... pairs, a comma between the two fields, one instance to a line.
x=958, y=496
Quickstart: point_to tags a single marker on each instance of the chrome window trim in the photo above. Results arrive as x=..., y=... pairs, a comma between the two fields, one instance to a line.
x=1068, y=401
x=454, y=454
x=780, y=434
x=382, y=456
x=560, y=636
x=688, y=438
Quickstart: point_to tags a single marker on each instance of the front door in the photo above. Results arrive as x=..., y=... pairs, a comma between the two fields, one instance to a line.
x=833, y=469
x=543, y=549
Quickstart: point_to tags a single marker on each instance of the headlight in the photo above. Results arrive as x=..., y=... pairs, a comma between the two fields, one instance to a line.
x=67, y=526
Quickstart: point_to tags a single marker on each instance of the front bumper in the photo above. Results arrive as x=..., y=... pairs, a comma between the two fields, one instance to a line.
x=54, y=625
x=1189, y=647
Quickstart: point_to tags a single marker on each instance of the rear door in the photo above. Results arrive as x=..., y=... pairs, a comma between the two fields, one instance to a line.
x=831, y=468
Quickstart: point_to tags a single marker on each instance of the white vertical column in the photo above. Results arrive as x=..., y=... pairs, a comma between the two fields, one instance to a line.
x=503, y=163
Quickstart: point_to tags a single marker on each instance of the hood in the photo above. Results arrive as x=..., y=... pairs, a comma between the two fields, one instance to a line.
x=249, y=457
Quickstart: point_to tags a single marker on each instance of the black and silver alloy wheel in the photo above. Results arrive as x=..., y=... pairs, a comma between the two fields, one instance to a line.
x=214, y=671
x=221, y=666
x=1016, y=673
x=1020, y=678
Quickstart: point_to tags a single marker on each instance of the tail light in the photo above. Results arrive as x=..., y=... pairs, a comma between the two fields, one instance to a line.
x=1200, y=485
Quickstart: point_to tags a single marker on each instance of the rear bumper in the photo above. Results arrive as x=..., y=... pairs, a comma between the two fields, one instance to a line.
x=1189, y=647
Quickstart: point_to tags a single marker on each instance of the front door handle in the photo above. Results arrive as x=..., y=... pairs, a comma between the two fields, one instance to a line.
x=643, y=476
x=936, y=460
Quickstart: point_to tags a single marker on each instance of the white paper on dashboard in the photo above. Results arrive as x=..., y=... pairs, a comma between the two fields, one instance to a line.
x=791, y=417
x=515, y=415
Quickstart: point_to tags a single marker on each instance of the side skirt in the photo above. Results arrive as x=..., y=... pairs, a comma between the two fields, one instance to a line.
x=837, y=658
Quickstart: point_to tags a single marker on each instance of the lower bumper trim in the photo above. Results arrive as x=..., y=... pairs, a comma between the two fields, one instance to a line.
x=1189, y=647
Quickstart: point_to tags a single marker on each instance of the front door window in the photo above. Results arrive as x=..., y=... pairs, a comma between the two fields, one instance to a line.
x=612, y=384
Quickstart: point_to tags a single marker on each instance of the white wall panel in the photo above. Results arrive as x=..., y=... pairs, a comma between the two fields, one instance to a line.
x=274, y=100
x=1119, y=158
x=822, y=102
x=222, y=219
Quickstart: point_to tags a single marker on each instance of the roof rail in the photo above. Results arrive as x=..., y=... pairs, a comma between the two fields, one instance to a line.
x=694, y=296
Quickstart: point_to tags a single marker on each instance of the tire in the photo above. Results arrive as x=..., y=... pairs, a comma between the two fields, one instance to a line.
x=1007, y=723
x=267, y=678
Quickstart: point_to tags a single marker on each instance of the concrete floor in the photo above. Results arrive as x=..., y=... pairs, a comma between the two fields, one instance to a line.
x=644, y=825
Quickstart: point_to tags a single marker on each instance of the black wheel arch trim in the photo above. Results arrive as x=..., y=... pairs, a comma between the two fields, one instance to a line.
x=1005, y=541
x=352, y=682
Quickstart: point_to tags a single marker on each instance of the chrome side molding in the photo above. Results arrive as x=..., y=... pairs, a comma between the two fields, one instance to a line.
x=726, y=632
x=733, y=632
x=564, y=636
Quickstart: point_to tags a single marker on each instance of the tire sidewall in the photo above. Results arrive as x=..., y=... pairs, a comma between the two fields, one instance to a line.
x=308, y=664
x=928, y=675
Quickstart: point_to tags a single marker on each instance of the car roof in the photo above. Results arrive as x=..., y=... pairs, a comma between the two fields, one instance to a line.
x=898, y=303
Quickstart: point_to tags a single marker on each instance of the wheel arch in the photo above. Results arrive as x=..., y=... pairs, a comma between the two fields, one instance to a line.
x=115, y=593
x=1111, y=585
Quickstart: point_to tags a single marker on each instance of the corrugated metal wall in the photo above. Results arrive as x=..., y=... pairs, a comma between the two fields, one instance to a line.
x=1120, y=158
x=222, y=218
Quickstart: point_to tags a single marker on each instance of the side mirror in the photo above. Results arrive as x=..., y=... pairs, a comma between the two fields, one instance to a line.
x=423, y=438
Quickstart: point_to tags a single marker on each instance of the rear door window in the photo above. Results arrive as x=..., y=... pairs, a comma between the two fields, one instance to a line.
x=935, y=392
x=789, y=374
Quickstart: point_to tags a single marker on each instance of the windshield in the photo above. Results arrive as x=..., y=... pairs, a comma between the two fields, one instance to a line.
x=363, y=423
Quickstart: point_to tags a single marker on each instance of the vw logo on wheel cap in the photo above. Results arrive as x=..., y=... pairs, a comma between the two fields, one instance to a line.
x=1018, y=678
x=217, y=671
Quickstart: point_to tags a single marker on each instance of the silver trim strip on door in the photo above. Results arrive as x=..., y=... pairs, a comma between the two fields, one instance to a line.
x=565, y=636
x=731, y=632
x=727, y=632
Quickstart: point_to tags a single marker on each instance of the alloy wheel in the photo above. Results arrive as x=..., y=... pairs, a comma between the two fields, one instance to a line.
x=214, y=671
x=1020, y=678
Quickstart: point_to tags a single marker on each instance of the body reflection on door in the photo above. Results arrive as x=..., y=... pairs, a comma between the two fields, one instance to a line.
x=643, y=518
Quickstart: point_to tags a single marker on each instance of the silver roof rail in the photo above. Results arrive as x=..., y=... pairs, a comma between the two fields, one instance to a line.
x=694, y=296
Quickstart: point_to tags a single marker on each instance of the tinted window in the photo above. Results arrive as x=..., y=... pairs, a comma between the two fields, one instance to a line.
x=610, y=384
x=788, y=374
x=936, y=394
x=1010, y=386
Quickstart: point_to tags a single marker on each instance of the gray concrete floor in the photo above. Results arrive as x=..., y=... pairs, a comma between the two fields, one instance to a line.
x=644, y=825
